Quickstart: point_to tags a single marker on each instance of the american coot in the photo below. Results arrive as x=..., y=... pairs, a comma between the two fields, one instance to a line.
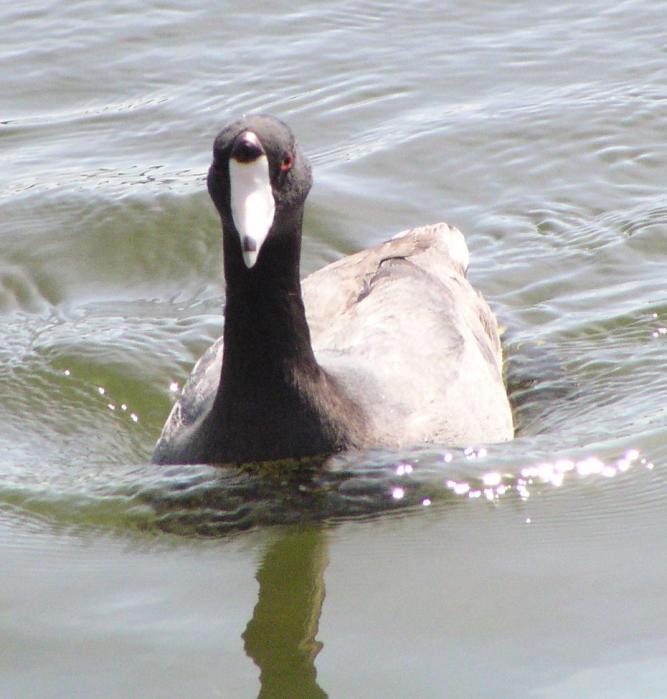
x=404, y=351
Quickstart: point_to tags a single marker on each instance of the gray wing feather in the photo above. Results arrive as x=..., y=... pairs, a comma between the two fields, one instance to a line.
x=402, y=329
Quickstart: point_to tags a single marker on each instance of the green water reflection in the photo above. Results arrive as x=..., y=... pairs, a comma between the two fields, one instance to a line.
x=281, y=635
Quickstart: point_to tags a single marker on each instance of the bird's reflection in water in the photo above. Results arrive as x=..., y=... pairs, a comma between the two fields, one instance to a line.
x=280, y=637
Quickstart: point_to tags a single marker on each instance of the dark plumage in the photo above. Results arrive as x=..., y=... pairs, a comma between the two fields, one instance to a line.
x=405, y=351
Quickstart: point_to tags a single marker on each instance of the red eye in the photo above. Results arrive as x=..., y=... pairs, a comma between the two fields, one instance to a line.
x=286, y=163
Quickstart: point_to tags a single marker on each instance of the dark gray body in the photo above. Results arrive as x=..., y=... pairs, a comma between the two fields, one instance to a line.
x=405, y=337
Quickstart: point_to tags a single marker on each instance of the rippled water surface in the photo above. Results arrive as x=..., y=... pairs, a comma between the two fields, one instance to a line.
x=532, y=569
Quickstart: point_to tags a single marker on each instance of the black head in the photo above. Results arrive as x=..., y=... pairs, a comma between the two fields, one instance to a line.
x=259, y=181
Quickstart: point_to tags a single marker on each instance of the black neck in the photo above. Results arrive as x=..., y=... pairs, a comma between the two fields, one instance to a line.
x=274, y=400
x=266, y=336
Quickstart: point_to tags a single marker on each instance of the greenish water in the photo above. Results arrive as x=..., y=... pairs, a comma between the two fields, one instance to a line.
x=532, y=569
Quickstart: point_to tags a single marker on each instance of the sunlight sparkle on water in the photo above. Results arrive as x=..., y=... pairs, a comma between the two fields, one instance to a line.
x=458, y=488
x=522, y=490
x=113, y=406
x=491, y=480
x=494, y=484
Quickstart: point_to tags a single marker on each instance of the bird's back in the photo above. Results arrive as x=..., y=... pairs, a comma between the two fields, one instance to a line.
x=412, y=342
x=406, y=336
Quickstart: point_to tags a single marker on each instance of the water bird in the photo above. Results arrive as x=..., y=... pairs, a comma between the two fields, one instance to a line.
x=389, y=347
